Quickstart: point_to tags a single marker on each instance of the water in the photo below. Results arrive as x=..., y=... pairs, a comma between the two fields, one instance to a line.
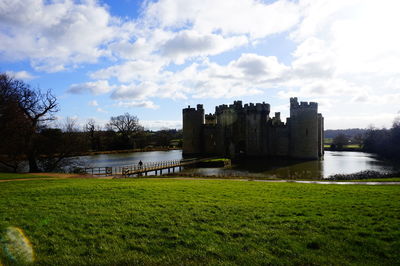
x=333, y=163
x=124, y=159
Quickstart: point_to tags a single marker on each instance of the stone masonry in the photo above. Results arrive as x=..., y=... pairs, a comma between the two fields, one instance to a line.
x=245, y=131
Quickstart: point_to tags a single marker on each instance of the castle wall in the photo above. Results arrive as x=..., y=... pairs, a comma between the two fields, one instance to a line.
x=231, y=129
x=210, y=138
x=253, y=134
x=237, y=130
x=256, y=117
x=281, y=141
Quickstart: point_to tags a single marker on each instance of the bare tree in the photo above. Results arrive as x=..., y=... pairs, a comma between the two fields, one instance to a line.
x=57, y=145
x=27, y=109
x=126, y=125
x=92, y=133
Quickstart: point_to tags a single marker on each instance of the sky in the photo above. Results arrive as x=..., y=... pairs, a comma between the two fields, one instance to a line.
x=153, y=58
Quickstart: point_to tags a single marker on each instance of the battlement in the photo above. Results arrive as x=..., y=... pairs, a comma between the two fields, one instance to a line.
x=211, y=119
x=294, y=104
x=191, y=109
x=237, y=106
x=258, y=107
x=220, y=108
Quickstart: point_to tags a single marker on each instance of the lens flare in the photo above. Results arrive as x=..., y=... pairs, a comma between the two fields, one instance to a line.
x=17, y=246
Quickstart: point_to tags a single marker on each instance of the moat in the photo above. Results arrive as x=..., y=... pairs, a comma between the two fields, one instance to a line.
x=333, y=163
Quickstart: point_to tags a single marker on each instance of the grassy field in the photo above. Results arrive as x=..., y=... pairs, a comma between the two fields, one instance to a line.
x=350, y=146
x=21, y=176
x=154, y=221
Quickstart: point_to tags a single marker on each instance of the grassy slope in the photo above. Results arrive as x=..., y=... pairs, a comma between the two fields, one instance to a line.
x=83, y=221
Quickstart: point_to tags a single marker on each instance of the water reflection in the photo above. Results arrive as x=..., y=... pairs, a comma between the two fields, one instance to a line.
x=333, y=163
x=122, y=159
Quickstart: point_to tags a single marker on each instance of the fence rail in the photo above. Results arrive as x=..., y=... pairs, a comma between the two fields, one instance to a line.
x=145, y=168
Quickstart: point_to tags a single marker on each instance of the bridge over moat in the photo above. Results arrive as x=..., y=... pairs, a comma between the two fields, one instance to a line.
x=144, y=169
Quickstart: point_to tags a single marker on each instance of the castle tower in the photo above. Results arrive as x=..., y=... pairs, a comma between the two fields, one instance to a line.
x=193, y=120
x=321, y=136
x=305, y=127
x=256, y=121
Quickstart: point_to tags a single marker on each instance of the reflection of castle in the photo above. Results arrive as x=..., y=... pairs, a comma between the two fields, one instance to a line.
x=237, y=130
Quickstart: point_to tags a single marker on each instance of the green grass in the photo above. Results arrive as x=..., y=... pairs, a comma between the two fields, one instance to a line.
x=352, y=146
x=20, y=176
x=170, y=222
x=217, y=160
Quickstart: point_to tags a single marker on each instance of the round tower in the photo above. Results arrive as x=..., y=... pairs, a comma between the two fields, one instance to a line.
x=192, y=123
x=304, y=132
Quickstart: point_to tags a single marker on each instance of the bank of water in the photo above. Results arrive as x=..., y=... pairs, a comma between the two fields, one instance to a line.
x=333, y=163
x=126, y=159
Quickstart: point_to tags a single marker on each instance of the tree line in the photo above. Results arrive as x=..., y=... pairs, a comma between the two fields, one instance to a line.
x=384, y=142
x=28, y=133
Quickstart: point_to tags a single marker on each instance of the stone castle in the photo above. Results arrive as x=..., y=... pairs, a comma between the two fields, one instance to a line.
x=245, y=131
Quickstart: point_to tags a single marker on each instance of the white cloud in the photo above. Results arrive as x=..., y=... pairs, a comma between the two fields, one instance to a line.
x=255, y=18
x=20, y=75
x=360, y=120
x=257, y=66
x=248, y=75
x=347, y=39
x=186, y=44
x=131, y=104
x=55, y=34
x=137, y=92
x=93, y=103
x=130, y=71
x=101, y=110
x=94, y=87
x=161, y=124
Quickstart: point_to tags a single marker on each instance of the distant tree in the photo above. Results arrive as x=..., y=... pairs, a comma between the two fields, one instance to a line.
x=384, y=142
x=23, y=111
x=92, y=132
x=376, y=140
x=165, y=136
x=358, y=139
x=127, y=126
x=57, y=145
x=340, y=141
x=395, y=138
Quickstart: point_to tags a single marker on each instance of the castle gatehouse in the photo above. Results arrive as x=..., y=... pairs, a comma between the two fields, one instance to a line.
x=235, y=130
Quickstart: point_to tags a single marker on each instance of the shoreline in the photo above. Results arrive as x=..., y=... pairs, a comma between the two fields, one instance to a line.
x=124, y=151
x=55, y=176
